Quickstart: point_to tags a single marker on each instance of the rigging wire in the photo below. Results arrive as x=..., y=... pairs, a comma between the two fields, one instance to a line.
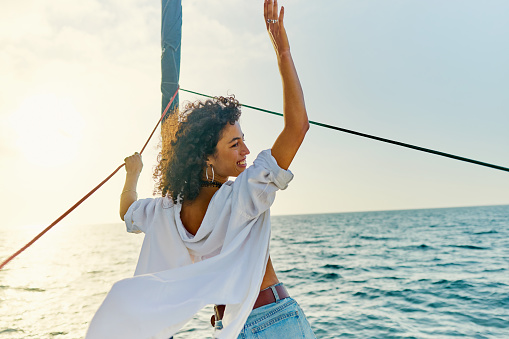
x=418, y=148
x=87, y=195
x=364, y=135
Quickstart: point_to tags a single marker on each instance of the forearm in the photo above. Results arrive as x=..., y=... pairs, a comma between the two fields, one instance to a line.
x=296, y=119
x=295, y=115
x=129, y=194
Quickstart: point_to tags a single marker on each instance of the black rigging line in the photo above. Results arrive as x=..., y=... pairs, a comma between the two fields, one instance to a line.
x=418, y=148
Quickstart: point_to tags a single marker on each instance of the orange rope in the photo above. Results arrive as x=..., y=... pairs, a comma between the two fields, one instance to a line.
x=89, y=193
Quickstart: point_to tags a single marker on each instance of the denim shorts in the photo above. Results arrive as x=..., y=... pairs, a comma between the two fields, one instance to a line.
x=281, y=319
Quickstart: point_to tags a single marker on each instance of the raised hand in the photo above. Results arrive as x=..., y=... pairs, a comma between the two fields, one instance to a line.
x=133, y=164
x=296, y=120
x=275, y=27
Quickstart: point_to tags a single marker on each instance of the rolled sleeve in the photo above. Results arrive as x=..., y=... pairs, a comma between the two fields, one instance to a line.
x=280, y=177
x=255, y=189
x=138, y=215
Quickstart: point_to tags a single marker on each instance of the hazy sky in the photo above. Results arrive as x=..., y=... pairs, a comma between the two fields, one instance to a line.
x=79, y=91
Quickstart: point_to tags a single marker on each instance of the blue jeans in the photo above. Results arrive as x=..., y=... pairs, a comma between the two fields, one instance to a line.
x=283, y=319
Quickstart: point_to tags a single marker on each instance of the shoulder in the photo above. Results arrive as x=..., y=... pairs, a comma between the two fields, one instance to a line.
x=266, y=168
x=159, y=202
x=254, y=189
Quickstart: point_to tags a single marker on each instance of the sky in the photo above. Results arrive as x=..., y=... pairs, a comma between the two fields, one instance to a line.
x=79, y=91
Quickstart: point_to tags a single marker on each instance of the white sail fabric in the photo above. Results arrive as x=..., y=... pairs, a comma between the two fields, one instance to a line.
x=178, y=273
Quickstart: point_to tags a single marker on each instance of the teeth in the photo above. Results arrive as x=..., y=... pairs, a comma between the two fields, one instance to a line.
x=243, y=162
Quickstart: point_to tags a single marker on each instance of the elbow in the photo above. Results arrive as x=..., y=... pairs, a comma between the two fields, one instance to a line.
x=122, y=215
x=305, y=128
x=300, y=128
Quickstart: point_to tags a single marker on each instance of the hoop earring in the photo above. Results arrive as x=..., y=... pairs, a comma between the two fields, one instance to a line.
x=207, y=173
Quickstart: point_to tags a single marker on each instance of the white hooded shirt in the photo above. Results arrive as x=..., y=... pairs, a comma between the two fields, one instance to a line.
x=178, y=274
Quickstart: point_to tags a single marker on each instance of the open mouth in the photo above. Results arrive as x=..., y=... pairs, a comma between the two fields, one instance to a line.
x=242, y=163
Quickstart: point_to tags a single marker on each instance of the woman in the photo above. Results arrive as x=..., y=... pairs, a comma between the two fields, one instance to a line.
x=206, y=238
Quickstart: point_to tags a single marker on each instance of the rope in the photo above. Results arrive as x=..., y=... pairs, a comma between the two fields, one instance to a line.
x=86, y=196
x=364, y=135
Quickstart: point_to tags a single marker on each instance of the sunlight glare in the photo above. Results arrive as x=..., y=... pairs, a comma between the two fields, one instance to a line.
x=48, y=130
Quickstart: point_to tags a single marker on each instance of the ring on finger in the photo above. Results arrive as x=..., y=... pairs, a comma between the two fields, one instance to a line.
x=271, y=21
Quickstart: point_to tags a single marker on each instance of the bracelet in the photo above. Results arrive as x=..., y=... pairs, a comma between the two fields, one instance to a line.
x=130, y=191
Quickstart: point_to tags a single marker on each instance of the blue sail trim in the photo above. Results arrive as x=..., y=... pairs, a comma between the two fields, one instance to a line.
x=171, y=38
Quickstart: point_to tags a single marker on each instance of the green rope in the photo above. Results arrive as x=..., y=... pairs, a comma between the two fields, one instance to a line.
x=418, y=148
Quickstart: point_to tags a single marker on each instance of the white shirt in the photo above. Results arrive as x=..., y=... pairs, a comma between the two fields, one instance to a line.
x=178, y=273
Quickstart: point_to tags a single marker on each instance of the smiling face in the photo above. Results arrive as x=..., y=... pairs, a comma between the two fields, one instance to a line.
x=230, y=158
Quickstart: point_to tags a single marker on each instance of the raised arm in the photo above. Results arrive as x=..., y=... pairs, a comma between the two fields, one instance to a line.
x=295, y=117
x=133, y=167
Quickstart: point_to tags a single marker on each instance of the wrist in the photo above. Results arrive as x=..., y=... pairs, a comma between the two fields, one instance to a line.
x=133, y=175
x=284, y=56
x=130, y=192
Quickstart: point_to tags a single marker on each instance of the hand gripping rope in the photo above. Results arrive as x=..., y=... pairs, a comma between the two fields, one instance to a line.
x=418, y=148
x=89, y=193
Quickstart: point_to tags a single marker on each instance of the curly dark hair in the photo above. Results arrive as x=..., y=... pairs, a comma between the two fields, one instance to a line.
x=183, y=155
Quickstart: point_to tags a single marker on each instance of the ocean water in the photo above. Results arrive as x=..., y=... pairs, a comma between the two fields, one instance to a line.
x=436, y=273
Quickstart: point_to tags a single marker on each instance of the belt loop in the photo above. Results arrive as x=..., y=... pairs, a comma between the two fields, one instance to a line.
x=276, y=295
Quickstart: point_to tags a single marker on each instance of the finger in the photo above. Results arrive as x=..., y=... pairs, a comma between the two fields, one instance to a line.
x=270, y=9
x=281, y=15
x=265, y=12
x=274, y=10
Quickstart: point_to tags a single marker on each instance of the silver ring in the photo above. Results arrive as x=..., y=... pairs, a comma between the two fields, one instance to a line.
x=271, y=21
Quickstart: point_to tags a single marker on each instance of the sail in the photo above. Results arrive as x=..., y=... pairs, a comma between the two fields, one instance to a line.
x=171, y=37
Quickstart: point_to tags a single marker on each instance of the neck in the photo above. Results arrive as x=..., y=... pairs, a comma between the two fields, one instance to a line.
x=204, y=197
x=211, y=184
